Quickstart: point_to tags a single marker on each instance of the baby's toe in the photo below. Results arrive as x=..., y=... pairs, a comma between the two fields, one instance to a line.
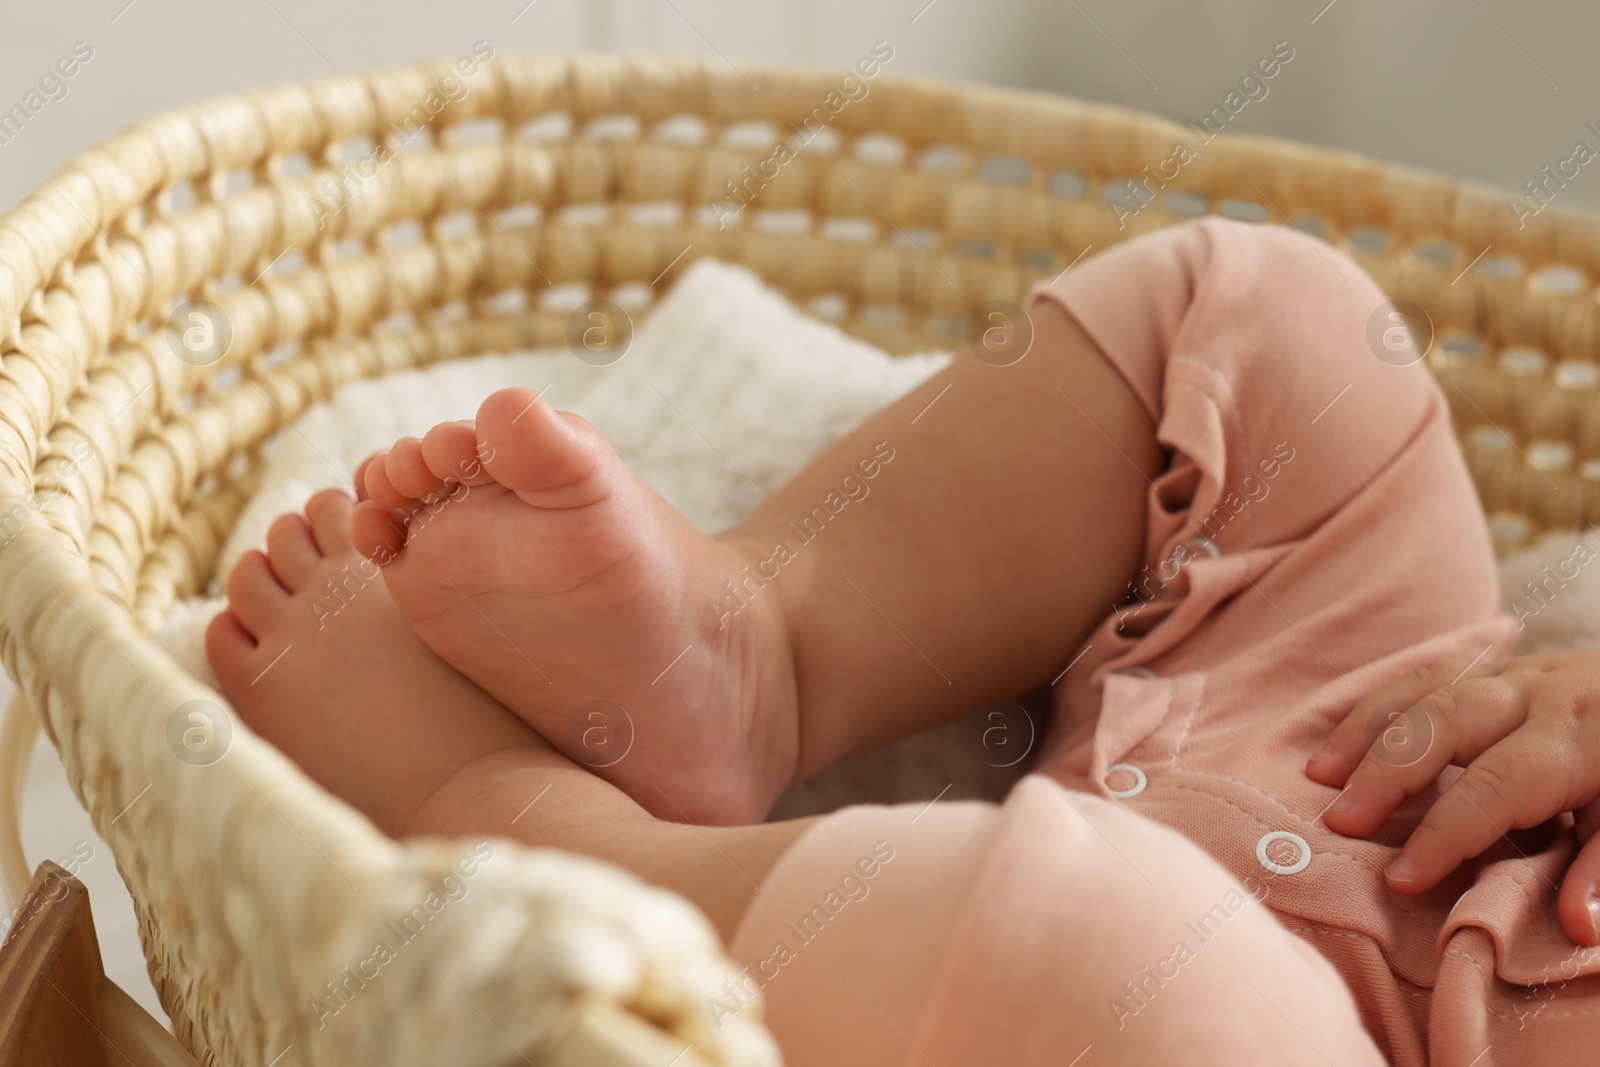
x=534, y=449
x=329, y=515
x=360, y=485
x=408, y=472
x=291, y=550
x=229, y=649
x=379, y=486
x=376, y=532
x=451, y=451
x=255, y=595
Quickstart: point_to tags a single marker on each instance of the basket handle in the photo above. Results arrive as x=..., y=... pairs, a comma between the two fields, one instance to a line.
x=19, y=728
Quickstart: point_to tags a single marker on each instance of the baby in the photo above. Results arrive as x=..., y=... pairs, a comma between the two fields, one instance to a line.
x=1198, y=510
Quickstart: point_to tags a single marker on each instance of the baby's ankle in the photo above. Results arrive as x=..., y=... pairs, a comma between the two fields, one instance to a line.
x=485, y=794
x=752, y=610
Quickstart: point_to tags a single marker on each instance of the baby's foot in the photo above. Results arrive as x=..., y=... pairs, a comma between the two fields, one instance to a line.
x=567, y=589
x=316, y=658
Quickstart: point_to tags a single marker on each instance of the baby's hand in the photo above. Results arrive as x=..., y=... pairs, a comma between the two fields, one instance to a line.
x=1527, y=730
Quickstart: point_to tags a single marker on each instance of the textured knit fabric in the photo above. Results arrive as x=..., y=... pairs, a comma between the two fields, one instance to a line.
x=1314, y=536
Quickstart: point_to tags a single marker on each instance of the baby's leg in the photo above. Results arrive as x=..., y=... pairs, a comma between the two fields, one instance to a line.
x=1006, y=526
x=954, y=549
x=316, y=658
x=924, y=907
x=1055, y=929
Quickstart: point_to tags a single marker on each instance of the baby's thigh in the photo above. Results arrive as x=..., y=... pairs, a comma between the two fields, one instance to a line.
x=1027, y=933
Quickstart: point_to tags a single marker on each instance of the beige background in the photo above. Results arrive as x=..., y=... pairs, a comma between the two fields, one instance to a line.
x=1485, y=89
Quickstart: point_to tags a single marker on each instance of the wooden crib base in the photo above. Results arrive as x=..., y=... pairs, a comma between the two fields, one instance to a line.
x=57, y=1008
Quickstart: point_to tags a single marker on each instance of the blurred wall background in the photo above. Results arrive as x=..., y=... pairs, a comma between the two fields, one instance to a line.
x=1485, y=89
x=1490, y=90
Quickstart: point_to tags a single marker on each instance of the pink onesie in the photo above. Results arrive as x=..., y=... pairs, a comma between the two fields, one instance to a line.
x=1162, y=889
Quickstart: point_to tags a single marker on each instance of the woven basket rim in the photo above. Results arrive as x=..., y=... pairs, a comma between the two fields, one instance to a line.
x=16, y=285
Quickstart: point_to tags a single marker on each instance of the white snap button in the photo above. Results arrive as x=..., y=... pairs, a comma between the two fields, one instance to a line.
x=1142, y=672
x=1203, y=544
x=1273, y=867
x=1139, y=780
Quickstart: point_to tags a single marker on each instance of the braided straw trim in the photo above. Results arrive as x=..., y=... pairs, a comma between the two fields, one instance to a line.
x=122, y=467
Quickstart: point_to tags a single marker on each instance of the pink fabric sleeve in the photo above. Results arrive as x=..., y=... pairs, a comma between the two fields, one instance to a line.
x=845, y=931
x=1131, y=302
x=1021, y=935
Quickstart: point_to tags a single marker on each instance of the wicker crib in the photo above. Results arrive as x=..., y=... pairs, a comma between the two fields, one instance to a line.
x=341, y=229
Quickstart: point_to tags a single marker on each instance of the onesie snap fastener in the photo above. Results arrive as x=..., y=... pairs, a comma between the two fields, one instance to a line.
x=1203, y=544
x=1273, y=838
x=1139, y=780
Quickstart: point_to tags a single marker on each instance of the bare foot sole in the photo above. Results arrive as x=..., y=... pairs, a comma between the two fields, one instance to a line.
x=528, y=557
x=316, y=658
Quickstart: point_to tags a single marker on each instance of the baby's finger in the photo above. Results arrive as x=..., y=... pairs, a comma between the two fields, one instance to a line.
x=1351, y=739
x=1578, y=906
x=1416, y=742
x=1587, y=820
x=1518, y=783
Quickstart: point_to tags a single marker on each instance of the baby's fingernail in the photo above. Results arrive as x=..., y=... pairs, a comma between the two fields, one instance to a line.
x=1594, y=919
x=1401, y=870
x=1344, y=803
x=1322, y=753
